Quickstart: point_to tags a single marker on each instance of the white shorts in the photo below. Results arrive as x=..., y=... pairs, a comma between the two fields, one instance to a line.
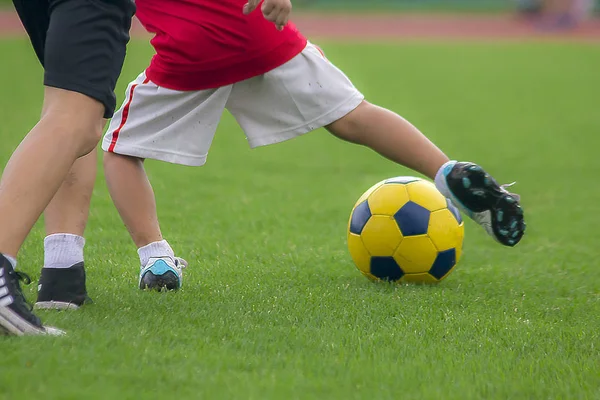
x=306, y=93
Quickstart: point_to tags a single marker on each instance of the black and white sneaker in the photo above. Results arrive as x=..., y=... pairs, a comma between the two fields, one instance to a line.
x=16, y=316
x=62, y=288
x=486, y=202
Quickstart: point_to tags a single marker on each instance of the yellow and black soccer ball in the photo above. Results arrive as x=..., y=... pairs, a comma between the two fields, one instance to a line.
x=403, y=230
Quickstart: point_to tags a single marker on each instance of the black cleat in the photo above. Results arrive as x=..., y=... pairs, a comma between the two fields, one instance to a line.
x=16, y=316
x=62, y=288
x=489, y=204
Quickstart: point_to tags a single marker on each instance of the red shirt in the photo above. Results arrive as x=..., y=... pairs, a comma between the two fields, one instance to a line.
x=204, y=44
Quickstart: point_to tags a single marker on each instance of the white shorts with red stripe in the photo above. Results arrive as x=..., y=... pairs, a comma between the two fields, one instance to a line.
x=306, y=93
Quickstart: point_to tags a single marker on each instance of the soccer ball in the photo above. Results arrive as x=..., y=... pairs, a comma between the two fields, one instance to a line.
x=403, y=230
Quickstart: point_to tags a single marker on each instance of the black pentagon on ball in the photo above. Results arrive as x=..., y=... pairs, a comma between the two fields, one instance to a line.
x=454, y=211
x=443, y=263
x=386, y=268
x=360, y=216
x=412, y=219
x=402, y=179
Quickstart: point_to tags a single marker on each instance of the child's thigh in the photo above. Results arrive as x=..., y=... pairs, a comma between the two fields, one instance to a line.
x=306, y=93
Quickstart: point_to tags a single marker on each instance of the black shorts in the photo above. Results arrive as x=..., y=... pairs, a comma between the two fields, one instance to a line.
x=80, y=43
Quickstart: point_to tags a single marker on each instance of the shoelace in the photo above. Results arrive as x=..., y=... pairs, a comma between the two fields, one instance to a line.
x=23, y=277
x=505, y=188
x=181, y=261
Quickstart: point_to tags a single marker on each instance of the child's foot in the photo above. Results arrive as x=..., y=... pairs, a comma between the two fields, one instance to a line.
x=162, y=273
x=479, y=196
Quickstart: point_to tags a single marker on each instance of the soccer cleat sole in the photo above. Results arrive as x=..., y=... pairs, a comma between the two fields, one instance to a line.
x=481, y=194
x=55, y=305
x=166, y=281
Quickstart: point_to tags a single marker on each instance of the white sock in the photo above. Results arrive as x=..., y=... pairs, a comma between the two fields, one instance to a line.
x=155, y=250
x=63, y=250
x=11, y=260
x=440, y=178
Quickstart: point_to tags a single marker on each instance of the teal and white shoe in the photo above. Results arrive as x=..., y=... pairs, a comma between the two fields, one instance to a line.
x=162, y=273
x=486, y=202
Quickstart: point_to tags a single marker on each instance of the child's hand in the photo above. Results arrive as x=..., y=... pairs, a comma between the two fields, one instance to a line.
x=276, y=11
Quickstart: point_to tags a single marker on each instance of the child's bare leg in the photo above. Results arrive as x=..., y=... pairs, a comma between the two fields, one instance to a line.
x=133, y=196
x=474, y=191
x=391, y=136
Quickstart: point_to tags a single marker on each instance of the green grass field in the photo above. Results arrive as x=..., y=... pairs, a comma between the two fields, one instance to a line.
x=272, y=306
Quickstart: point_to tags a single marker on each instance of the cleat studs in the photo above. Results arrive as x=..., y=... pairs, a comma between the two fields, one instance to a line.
x=478, y=193
x=514, y=224
x=511, y=242
x=466, y=183
x=515, y=234
x=503, y=232
x=474, y=168
x=519, y=211
x=500, y=215
x=510, y=199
